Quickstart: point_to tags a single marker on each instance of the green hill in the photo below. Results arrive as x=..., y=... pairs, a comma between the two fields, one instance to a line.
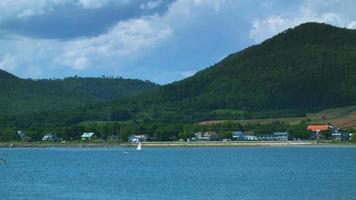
x=311, y=66
x=23, y=96
x=304, y=69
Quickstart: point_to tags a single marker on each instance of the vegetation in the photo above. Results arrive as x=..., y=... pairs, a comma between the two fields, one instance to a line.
x=156, y=130
x=20, y=96
x=301, y=70
x=304, y=69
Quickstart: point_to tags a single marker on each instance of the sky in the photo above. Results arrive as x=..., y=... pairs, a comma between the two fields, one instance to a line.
x=158, y=40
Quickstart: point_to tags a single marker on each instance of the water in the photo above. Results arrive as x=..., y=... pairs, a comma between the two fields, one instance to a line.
x=179, y=173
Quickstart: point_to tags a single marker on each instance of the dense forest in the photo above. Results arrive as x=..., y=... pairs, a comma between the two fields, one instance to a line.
x=24, y=96
x=306, y=68
x=309, y=67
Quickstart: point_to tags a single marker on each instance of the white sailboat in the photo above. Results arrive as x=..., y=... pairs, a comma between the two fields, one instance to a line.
x=139, y=147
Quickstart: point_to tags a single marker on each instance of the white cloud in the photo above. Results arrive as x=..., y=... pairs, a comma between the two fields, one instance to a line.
x=95, y=4
x=10, y=9
x=8, y=63
x=26, y=14
x=262, y=29
x=127, y=38
x=150, y=5
x=308, y=11
x=126, y=41
x=185, y=22
x=352, y=25
x=23, y=9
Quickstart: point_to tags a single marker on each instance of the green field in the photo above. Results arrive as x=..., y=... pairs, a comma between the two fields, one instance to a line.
x=342, y=117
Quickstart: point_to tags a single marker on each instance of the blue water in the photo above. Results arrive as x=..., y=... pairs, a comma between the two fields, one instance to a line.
x=179, y=173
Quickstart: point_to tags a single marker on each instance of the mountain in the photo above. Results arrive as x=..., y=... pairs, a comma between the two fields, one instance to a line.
x=23, y=96
x=310, y=66
x=306, y=68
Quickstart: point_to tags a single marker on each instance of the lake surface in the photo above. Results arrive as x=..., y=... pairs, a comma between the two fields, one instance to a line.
x=179, y=173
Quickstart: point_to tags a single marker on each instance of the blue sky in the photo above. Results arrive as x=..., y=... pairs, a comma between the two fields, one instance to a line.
x=158, y=40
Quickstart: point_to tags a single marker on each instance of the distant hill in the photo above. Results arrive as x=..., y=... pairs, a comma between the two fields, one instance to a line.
x=303, y=69
x=311, y=66
x=22, y=96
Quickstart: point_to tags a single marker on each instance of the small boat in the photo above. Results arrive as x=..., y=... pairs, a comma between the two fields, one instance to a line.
x=139, y=147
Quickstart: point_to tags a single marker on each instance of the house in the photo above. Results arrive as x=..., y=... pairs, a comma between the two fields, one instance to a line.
x=338, y=135
x=88, y=136
x=251, y=138
x=317, y=128
x=238, y=135
x=138, y=138
x=266, y=137
x=50, y=137
x=241, y=136
x=206, y=136
x=280, y=136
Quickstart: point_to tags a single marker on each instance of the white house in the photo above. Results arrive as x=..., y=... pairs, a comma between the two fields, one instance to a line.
x=88, y=136
x=50, y=137
x=138, y=138
x=206, y=136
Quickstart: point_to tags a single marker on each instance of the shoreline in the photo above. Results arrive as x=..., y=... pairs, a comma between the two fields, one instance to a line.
x=175, y=144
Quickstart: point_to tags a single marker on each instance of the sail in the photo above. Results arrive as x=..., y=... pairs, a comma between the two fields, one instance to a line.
x=139, y=146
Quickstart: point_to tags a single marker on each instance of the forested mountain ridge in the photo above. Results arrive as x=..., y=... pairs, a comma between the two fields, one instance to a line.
x=306, y=68
x=22, y=96
x=310, y=66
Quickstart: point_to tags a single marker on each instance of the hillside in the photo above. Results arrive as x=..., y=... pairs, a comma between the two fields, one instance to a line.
x=22, y=96
x=301, y=70
x=311, y=66
x=341, y=117
x=6, y=75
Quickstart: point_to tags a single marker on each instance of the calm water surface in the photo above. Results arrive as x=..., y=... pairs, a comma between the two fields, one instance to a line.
x=179, y=173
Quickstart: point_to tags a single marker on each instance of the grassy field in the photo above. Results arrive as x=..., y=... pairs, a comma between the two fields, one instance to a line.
x=343, y=117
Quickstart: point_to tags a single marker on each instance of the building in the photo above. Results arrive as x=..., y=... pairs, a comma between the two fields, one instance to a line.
x=88, y=136
x=251, y=138
x=280, y=136
x=338, y=135
x=238, y=135
x=317, y=128
x=50, y=137
x=206, y=136
x=241, y=136
x=138, y=138
x=265, y=137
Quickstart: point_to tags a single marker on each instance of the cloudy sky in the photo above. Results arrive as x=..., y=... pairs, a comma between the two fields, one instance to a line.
x=157, y=40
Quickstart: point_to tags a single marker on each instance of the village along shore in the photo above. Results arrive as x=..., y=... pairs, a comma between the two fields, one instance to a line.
x=79, y=144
